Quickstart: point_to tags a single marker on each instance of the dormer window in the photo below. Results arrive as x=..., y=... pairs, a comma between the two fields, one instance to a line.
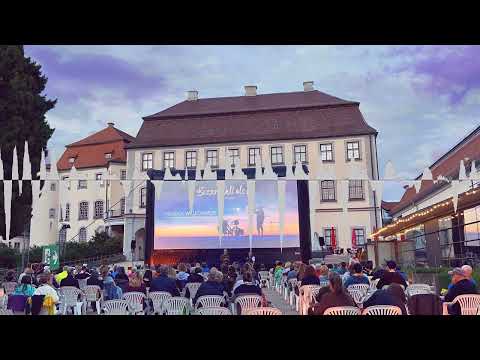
x=108, y=155
x=71, y=160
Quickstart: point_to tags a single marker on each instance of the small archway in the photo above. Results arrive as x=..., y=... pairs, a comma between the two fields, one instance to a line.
x=139, y=252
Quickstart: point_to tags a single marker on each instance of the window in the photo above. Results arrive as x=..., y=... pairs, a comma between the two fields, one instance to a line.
x=254, y=156
x=327, y=188
x=16, y=245
x=353, y=150
x=53, y=187
x=51, y=213
x=300, y=153
x=98, y=209
x=276, y=155
x=355, y=189
x=71, y=160
x=83, y=211
x=359, y=235
x=212, y=158
x=98, y=176
x=62, y=236
x=67, y=212
x=123, y=174
x=147, y=161
x=108, y=155
x=82, y=184
x=82, y=235
x=191, y=159
x=168, y=159
x=122, y=206
x=326, y=152
x=234, y=156
x=143, y=197
x=327, y=235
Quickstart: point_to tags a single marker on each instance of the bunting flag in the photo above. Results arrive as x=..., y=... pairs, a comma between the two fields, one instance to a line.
x=43, y=167
x=7, y=195
x=389, y=173
x=158, y=188
x=333, y=238
x=354, y=239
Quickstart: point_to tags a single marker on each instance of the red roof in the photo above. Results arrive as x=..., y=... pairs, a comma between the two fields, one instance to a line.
x=448, y=166
x=90, y=152
x=388, y=205
x=283, y=116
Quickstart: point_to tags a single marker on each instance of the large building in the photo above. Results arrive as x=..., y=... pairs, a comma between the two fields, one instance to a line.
x=437, y=220
x=92, y=171
x=326, y=133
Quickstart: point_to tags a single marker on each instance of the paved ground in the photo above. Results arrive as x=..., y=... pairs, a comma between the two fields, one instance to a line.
x=278, y=302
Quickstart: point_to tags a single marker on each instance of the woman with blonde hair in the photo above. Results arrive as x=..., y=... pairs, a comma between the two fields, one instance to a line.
x=136, y=284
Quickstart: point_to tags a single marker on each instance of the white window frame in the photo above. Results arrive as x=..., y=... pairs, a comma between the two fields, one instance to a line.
x=256, y=156
x=148, y=162
x=143, y=197
x=295, y=146
x=80, y=217
x=350, y=183
x=67, y=212
x=327, y=152
x=123, y=174
x=192, y=160
x=352, y=153
x=82, y=184
x=362, y=228
x=322, y=199
x=165, y=160
x=207, y=151
x=82, y=231
x=329, y=229
x=277, y=155
x=236, y=156
x=96, y=213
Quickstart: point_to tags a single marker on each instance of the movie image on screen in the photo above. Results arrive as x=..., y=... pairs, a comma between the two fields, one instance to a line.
x=176, y=227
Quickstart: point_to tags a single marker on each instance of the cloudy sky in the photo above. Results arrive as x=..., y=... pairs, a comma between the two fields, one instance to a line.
x=421, y=99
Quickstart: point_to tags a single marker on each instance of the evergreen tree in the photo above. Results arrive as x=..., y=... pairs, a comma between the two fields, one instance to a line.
x=22, y=118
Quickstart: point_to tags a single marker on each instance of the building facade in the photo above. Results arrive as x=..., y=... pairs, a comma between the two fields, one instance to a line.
x=327, y=134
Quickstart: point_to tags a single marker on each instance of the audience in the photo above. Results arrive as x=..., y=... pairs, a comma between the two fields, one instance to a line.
x=393, y=295
x=163, y=282
x=213, y=285
x=121, y=278
x=391, y=276
x=50, y=296
x=337, y=296
x=358, y=277
x=69, y=280
x=461, y=285
x=323, y=273
x=25, y=287
x=83, y=273
x=310, y=276
x=147, y=278
x=135, y=284
x=182, y=276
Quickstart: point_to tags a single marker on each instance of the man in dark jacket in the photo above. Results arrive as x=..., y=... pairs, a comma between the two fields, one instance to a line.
x=394, y=296
x=391, y=275
x=69, y=280
x=163, y=283
x=461, y=286
x=213, y=285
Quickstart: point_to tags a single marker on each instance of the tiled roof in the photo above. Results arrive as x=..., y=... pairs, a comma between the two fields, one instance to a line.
x=388, y=205
x=90, y=152
x=298, y=115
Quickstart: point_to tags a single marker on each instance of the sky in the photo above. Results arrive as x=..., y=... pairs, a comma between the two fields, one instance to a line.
x=421, y=99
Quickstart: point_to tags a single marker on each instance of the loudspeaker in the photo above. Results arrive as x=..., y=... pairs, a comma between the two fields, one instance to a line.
x=321, y=240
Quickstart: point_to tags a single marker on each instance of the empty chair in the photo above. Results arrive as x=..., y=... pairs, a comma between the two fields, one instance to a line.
x=246, y=302
x=6, y=312
x=72, y=298
x=382, y=310
x=135, y=301
x=192, y=290
x=115, y=307
x=93, y=293
x=158, y=297
x=209, y=301
x=469, y=304
x=9, y=287
x=220, y=310
x=263, y=311
x=176, y=305
x=342, y=310
x=264, y=279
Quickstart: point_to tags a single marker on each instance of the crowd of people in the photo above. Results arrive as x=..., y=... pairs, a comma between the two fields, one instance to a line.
x=231, y=280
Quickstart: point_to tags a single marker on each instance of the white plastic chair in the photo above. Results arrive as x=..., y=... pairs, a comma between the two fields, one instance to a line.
x=292, y=283
x=82, y=283
x=209, y=301
x=176, y=305
x=263, y=311
x=469, y=304
x=93, y=293
x=264, y=279
x=342, y=310
x=382, y=310
x=324, y=283
x=158, y=297
x=415, y=289
x=9, y=287
x=71, y=299
x=135, y=301
x=373, y=284
x=307, y=297
x=115, y=307
x=247, y=302
x=220, y=310
x=6, y=312
x=192, y=290
x=357, y=295
x=362, y=287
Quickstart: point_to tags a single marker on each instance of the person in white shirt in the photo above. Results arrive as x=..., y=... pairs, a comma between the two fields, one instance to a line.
x=45, y=288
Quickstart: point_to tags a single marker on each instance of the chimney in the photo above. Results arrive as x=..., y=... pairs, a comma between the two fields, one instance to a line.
x=110, y=124
x=250, y=90
x=192, y=95
x=308, y=86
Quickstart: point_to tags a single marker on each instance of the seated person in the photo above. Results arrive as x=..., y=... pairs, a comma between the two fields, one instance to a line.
x=135, y=284
x=46, y=289
x=147, y=278
x=337, y=296
x=83, y=274
x=391, y=275
x=249, y=288
x=342, y=269
x=310, y=276
x=368, y=268
x=404, y=275
x=25, y=287
x=70, y=280
x=293, y=272
x=163, y=282
x=121, y=278
x=213, y=285
x=182, y=276
x=461, y=285
x=393, y=295
x=468, y=271
x=322, y=273
x=358, y=277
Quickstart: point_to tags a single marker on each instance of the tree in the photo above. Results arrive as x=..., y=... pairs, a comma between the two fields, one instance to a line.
x=22, y=118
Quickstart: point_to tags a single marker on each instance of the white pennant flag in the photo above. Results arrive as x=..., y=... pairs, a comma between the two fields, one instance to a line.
x=158, y=184
x=462, y=174
x=7, y=195
x=390, y=173
x=299, y=172
x=282, y=189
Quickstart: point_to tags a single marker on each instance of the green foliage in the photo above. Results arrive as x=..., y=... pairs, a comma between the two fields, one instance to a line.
x=22, y=118
x=9, y=256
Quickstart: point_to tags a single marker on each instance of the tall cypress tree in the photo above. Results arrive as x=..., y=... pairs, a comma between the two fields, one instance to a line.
x=22, y=118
